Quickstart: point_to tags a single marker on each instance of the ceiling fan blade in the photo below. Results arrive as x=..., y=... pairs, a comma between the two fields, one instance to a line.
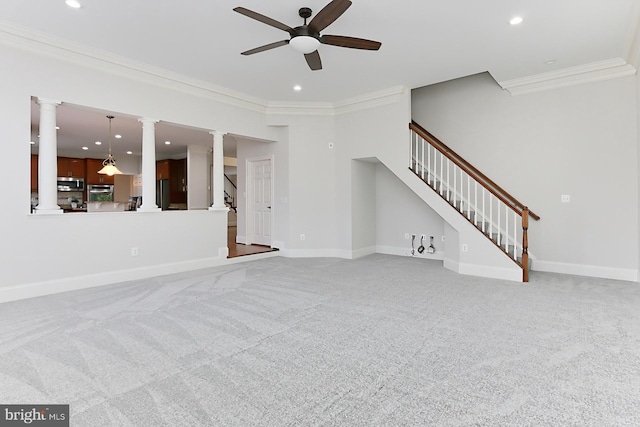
x=328, y=14
x=264, y=19
x=266, y=47
x=350, y=42
x=313, y=59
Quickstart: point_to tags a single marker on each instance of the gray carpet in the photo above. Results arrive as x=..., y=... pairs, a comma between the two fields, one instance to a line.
x=379, y=341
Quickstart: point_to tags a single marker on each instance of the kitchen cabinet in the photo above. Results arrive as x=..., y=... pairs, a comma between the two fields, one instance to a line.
x=34, y=172
x=163, y=169
x=178, y=181
x=174, y=174
x=93, y=177
x=71, y=167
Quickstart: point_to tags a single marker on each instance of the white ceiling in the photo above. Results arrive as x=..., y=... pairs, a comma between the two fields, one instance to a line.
x=423, y=41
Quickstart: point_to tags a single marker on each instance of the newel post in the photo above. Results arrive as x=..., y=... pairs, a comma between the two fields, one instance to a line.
x=525, y=244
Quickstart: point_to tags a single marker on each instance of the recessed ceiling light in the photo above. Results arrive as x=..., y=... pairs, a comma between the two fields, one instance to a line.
x=550, y=62
x=117, y=136
x=57, y=127
x=516, y=20
x=297, y=88
x=98, y=143
x=73, y=3
x=85, y=148
x=167, y=142
x=32, y=143
x=129, y=152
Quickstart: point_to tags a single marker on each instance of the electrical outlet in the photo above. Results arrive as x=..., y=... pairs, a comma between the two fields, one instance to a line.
x=565, y=198
x=407, y=236
x=465, y=247
x=331, y=145
x=134, y=251
x=302, y=237
x=443, y=238
x=424, y=237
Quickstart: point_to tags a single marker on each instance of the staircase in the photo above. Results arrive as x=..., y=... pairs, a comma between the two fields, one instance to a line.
x=493, y=212
x=230, y=194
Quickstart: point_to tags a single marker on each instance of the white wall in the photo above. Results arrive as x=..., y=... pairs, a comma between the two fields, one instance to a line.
x=310, y=195
x=47, y=254
x=278, y=151
x=399, y=211
x=581, y=141
x=363, y=203
x=198, y=177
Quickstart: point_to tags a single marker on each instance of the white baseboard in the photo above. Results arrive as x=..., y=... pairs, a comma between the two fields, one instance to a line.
x=490, y=272
x=316, y=253
x=31, y=290
x=394, y=250
x=362, y=252
x=626, y=274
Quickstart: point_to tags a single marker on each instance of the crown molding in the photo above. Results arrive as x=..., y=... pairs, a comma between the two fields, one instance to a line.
x=284, y=108
x=15, y=36
x=361, y=102
x=593, y=72
x=18, y=37
x=371, y=100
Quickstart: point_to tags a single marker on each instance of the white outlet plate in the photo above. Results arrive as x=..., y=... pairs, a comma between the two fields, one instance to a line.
x=134, y=251
x=302, y=237
x=443, y=238
x=565, y=198
x=465, y=247
x=407, y=236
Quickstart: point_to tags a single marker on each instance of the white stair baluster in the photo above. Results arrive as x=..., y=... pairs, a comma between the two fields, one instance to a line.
x=441, y=174
x=499, y=229
x=422, y=140
x=468, y=197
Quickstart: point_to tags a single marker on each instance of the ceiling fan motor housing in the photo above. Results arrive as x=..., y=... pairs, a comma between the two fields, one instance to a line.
x=305, y=13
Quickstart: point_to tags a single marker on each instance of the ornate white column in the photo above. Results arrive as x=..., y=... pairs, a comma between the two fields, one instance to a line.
x=218, y=172
x=148, y=166
x=48, y=159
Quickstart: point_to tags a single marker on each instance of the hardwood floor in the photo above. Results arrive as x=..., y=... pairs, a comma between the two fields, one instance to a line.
x=238, y=249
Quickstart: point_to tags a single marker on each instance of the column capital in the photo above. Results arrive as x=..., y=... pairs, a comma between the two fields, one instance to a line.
x=217, y=132
x=147, y=120
x=47, y=101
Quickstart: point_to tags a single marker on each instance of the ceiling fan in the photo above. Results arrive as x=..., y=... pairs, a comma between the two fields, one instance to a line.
x=306, y=38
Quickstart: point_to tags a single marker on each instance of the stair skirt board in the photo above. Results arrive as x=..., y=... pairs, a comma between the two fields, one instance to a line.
x=490, y=272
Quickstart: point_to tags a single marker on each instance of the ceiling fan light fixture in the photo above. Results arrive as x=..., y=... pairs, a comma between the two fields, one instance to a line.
x=304, y=44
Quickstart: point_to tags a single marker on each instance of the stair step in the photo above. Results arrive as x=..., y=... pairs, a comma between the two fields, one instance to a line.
x=509, y=249
x=469, y=215
x=479, y=225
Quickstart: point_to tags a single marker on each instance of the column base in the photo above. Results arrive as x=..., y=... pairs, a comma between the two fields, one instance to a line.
x=148, y=209
x=48, y=211
x=219, y=208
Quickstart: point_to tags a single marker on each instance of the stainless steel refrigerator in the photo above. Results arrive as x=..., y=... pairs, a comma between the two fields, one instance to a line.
x=162, y=194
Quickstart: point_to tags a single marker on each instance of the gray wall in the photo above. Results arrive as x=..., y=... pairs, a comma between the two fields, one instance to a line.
x=581, y=141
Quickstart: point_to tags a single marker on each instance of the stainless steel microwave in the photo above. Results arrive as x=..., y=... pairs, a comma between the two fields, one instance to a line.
x=70, y=184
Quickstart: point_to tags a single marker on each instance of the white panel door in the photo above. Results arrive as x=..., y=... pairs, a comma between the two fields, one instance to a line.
x=261, y=202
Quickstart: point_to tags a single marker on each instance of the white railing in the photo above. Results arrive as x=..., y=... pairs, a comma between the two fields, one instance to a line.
x=493, y=214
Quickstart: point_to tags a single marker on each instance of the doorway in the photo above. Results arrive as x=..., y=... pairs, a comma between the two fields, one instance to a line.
x=259, y=201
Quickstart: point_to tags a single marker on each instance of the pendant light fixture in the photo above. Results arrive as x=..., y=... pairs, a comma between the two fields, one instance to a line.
x=109, y=164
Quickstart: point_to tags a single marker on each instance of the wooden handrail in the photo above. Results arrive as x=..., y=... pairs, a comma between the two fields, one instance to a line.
x=491, y=186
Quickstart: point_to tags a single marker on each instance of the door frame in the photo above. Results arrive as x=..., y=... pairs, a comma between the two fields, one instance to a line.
x=250, y=236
